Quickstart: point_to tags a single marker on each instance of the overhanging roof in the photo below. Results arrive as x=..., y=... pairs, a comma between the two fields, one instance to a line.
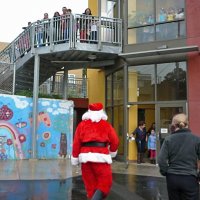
x=165, y=51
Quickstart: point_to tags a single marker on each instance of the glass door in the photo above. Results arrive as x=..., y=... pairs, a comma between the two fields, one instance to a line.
x=164, y=115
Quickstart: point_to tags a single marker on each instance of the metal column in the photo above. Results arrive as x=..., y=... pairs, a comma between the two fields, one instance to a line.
x=125, y=113
x=99, y=8
x=65, y=85
x=35, y=103
x=14, y=78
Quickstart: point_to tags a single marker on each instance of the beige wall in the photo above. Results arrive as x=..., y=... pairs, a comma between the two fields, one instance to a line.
x=3, y=45
x=93, y=5
x=133, y=118
x=77, y=72
x=96, y=85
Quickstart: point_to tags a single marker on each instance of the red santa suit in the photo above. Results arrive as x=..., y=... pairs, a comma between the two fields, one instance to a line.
x=95, y=143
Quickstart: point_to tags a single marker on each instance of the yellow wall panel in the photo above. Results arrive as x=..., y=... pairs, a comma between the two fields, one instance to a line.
x=93, y=5
x=133, y=119
x=96, y=85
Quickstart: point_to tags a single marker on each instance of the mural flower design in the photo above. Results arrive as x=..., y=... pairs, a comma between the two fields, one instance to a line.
x=9, y=142
x=42, y=144
x=5, y=113
x=53, y=146
x=22, y=138
x=46, y=135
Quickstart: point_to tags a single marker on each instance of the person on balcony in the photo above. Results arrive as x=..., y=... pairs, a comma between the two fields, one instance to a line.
x=38, y=33
x=95, y=143
x=46, y=29
x=85, y=25
x=94, y=31
x=27, y=36
x=65, y=22
x=56, y=27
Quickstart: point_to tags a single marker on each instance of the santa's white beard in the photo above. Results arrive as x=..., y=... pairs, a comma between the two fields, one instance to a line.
x=95, y=116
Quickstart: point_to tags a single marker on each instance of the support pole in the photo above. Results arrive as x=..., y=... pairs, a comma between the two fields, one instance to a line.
x=14, y=78
x=99, y=25
x=35, y=104
x=65, y=85
x=126, y=124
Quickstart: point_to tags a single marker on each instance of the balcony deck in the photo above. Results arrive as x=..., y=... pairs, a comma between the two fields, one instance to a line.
x=56, y=49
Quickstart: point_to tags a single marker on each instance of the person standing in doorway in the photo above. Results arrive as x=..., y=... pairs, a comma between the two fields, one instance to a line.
x=152, y=146
x=178, y=160
x=153, y=127
x=95, y=143
x=85, y=25
x=140, y=138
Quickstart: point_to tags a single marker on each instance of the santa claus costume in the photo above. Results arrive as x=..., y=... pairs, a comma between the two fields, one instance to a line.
x=95, y=143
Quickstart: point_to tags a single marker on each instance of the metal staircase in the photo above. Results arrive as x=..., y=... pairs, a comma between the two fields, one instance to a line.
x=57, y=50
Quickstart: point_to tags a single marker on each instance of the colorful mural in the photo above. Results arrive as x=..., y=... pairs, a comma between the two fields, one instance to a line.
x=54, y=127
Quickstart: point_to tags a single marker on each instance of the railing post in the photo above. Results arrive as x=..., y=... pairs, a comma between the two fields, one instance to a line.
x=53, y=83
x=99, y=35
x=65, y=85
x=71, y=32
x=14, y=78
x=33, y=38
x=12, y=57
x=119, y=22
x=51, y=34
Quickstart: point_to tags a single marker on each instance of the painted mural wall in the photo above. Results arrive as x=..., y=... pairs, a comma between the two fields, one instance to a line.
x=54, y=128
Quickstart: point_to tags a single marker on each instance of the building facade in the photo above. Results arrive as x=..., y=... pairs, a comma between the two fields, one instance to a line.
x=157, y=73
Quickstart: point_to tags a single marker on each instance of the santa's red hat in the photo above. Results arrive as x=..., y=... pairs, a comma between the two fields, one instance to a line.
x=95, y=113
x=95, y=106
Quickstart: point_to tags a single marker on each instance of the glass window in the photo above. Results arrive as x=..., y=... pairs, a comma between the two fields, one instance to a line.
x=109, y=114
x=135, y=35
x=171, y=81
x=141, y=83
x=109, y=90
x=119, y=126
x=167, y=31
x=140, y=35
x=118, y=87
x=181, y=29
x=146, y=24
x=169, y=10
x=71, y=78
x=109, y=8
x=140, y=12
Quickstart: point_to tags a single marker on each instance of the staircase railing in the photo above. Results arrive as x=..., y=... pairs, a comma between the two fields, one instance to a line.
x=73, y=28
x=77, y=87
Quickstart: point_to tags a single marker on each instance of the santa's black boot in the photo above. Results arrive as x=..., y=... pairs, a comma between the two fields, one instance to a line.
x=98, y=195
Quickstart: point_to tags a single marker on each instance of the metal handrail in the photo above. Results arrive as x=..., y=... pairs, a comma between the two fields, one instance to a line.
x=73, y=28
x=77, y=87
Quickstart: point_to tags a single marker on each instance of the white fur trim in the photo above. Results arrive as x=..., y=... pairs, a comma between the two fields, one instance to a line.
x=95, y=157
x=113, y=154
x=74, y=160
x=95, y=116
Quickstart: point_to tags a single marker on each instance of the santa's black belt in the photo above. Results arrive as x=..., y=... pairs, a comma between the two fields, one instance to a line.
x=94, y=144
